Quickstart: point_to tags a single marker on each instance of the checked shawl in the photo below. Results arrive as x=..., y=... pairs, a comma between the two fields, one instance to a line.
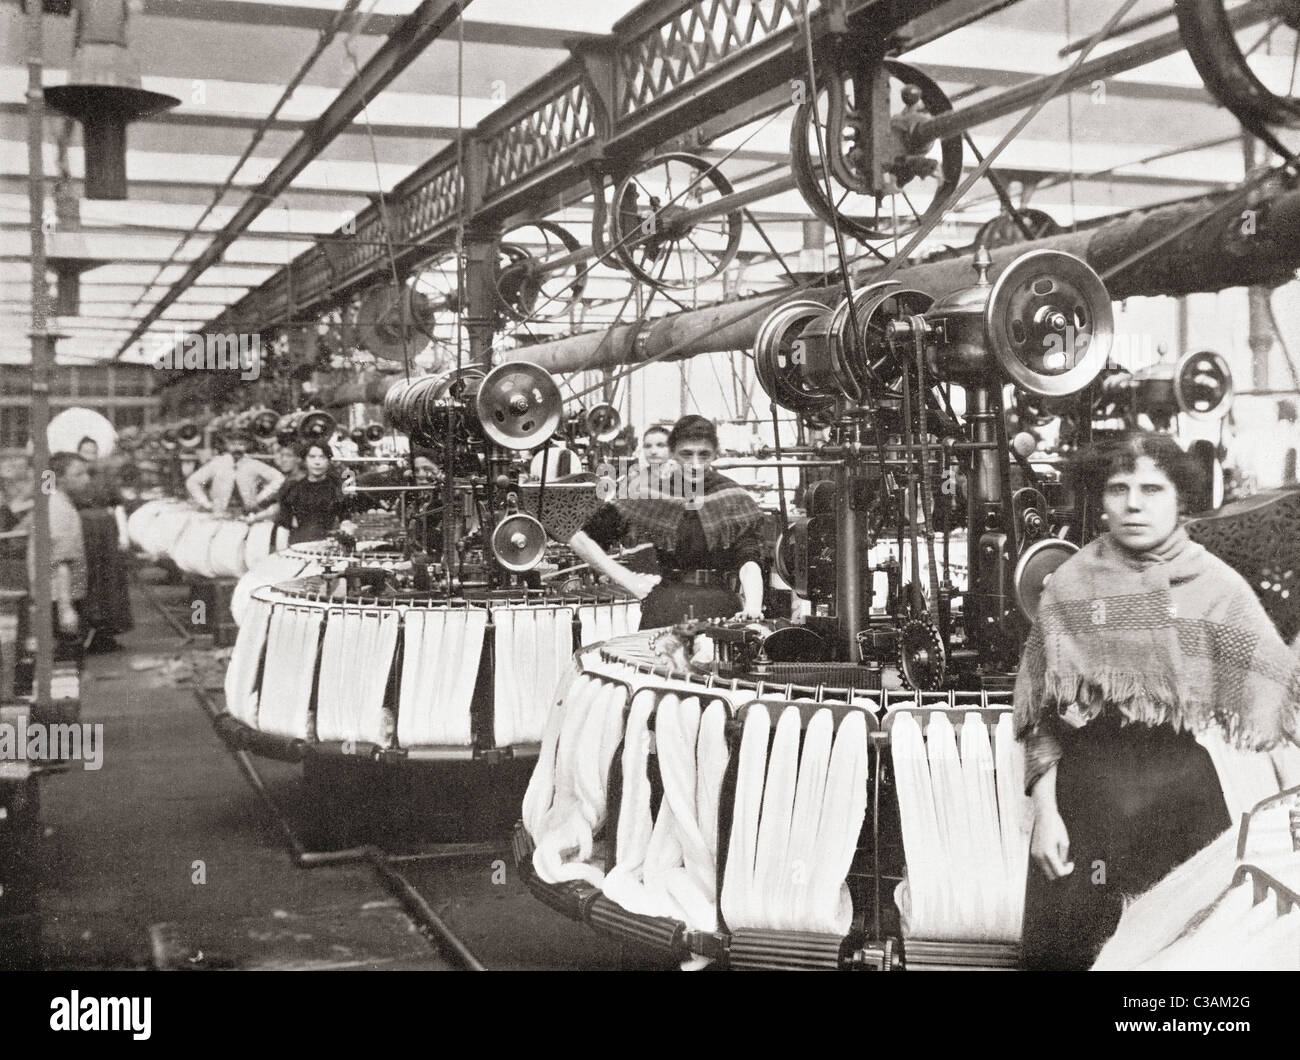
x=1174, y=636
x=726, y=510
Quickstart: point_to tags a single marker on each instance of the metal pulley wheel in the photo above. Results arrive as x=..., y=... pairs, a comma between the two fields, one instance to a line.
x=1247, y=58
x=518, y=405
x=874, y=198
x=657, y=233
x=1049, y=324
x=1002, y=231
x=861, y=365
x=526, y=288
x=1036, y=565
x=1203, y=385
x=780, y=358
x=385, y=328
x=519, y=542
x=603, y=422
x=922, y=660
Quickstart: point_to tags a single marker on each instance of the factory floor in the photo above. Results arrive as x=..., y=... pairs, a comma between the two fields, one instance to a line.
x=165, y=857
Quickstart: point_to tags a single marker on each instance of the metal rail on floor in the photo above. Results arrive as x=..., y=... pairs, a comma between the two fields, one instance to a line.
x=165, y=611
x=431, y=925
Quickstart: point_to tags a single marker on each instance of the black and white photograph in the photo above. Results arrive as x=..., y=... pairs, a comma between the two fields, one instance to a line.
x=651, y=486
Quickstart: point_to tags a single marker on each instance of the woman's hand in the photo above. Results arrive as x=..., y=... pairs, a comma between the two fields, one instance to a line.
x=347, y=526
x=748, y=614
x=639, y=585
x=1050, y=845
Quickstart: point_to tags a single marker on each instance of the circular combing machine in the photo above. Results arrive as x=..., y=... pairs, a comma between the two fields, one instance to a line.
x=343, y=662
x=774, y=842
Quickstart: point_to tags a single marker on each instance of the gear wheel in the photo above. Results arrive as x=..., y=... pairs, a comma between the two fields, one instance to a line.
x=922, y=661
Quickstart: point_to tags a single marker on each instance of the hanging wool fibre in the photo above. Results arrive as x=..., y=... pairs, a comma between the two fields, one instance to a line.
x=566, y=833
x=1015, y=817
x=438, y=677
x=791, y=900
x=963, y=830
x=284, y=705
x=693, y=883
x=541, y=785
x=625, y=883
x=844, y=807
x=981, y=802
x=774, y=820
x=356, y=659
x=1180, y=903
x=921, y=896
x=245, y=661
x=739, y=900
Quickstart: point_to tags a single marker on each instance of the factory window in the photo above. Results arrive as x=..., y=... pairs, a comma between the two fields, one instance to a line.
x=13, y=426
x=93, y=382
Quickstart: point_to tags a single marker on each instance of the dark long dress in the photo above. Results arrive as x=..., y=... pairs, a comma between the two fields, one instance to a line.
x=107, y=608
x=1137, y=801
x=674, y=600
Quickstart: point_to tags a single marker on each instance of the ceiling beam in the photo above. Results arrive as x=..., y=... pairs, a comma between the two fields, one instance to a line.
x=429, y=21
x=294, y=16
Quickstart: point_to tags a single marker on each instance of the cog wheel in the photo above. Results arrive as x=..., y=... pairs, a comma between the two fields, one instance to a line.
x=922, y=660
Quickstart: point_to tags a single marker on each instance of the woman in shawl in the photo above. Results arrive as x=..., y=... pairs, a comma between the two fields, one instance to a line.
x=1143, y=641
x=703, y=525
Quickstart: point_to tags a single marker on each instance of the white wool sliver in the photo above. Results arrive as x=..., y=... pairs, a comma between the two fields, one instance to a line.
x=623, y=883
x=844, y=808
x=774, y=822
x=739, y=905
x=241, y=674
x=805, y=822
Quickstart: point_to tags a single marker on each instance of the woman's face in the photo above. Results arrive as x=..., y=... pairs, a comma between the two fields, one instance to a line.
x=1141, y=506
x=654, y=447
x=286, y=459
x=317, y=461
x=425, y=469
x=88, y=451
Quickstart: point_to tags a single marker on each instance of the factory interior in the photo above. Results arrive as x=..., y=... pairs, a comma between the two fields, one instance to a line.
x=650, y=485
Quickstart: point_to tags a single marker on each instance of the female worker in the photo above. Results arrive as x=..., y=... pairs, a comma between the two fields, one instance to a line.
x=703, y=526
x=314, y=504
x=1142, y=641
x=103, y=524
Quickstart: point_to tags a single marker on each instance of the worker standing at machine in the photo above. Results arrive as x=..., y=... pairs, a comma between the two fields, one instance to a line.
x=233, y=475
x=67, y=573
x=103, y=527
x=1142, y=642
x=314, y=504
x=703, y=526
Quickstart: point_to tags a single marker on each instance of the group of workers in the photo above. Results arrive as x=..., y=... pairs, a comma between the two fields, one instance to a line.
x=1143, y=644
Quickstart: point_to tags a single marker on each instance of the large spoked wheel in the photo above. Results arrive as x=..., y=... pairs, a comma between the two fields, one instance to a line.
x=433, y=307
x=660, y=236
x=916, y=176
x=1249, y=64
x=527, y=289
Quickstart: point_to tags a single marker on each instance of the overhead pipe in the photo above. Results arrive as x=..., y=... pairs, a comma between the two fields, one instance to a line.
x=406, y=43
x=1209, y=257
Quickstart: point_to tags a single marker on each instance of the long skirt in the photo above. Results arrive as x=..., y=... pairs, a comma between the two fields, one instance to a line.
x=671, y=602
x=1137, y=802
x=108, y=601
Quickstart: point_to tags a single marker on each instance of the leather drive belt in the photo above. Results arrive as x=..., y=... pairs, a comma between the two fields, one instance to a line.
x=696, y=577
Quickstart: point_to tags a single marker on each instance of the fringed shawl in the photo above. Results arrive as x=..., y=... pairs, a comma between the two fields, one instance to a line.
x=1171, y=637
x=727, y=512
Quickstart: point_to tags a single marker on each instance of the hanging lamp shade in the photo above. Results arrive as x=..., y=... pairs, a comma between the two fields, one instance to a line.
x=103, y=93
